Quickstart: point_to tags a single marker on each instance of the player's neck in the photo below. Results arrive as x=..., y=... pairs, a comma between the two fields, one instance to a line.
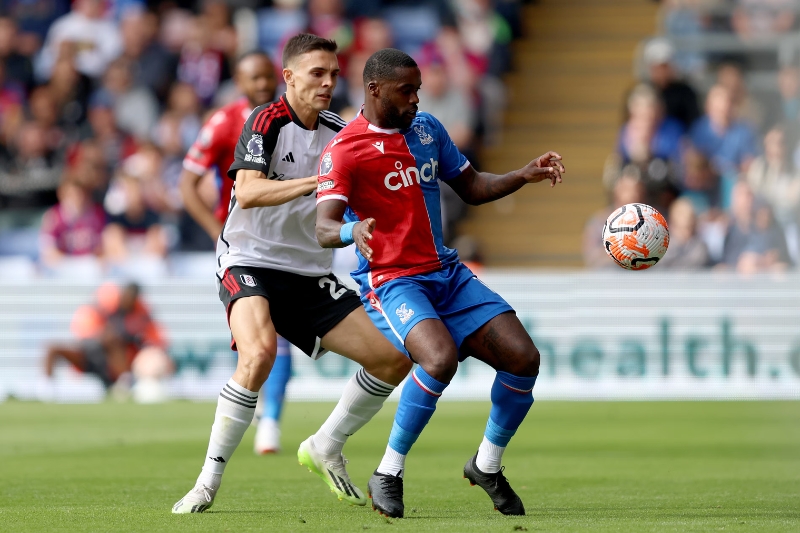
x=375, y=118
x=306, y=114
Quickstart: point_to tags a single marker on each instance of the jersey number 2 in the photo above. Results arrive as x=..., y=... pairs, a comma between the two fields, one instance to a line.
x=335, y=294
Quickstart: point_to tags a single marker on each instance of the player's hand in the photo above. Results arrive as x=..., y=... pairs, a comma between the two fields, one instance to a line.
x=362, y=234
x=544, y=167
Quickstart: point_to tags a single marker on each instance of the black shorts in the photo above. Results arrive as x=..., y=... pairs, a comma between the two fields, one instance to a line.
x=95, y=361
x=303, y=308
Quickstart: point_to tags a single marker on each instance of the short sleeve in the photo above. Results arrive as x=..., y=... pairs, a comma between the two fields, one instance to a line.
x=451, y=162
x=203, y=153
x=335, y=174
x=255, y=146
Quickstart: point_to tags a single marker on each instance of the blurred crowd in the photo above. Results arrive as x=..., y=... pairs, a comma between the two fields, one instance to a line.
x=711, y=137
x=101, y=99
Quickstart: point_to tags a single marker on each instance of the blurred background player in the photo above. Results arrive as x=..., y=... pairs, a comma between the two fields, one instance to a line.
x=111, y=334
x=212, y=155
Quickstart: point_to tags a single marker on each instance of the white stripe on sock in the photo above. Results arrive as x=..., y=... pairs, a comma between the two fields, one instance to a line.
x=356, y=407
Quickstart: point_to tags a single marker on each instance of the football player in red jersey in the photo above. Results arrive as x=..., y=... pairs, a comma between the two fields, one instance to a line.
x=255, y=78
x=214, y=148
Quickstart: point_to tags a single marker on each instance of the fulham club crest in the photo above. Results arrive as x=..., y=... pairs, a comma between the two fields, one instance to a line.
x=248, y=280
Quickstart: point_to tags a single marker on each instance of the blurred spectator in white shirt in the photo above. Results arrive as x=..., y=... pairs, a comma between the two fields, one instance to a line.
x=94, y=41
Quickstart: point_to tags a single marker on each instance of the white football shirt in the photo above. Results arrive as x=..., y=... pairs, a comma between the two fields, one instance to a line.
x=282, y=237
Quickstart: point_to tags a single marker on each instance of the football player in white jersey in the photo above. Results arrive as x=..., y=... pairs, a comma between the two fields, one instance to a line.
x=274, y=278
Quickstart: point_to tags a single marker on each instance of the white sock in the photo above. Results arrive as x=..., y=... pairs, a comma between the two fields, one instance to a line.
x=362, y=398
x=393, y=463
x=489, y=457
x=235, y=409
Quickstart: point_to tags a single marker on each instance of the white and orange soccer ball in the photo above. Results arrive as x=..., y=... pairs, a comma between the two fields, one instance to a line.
x=636, y=236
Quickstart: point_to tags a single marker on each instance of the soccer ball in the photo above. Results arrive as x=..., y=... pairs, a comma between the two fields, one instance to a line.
x=636, y=236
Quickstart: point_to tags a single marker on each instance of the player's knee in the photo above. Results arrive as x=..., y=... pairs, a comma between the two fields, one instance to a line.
x=259, y=356
x=442, y=369
x=525, y=361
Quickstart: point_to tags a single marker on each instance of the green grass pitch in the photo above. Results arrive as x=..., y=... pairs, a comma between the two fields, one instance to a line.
x=670, y=466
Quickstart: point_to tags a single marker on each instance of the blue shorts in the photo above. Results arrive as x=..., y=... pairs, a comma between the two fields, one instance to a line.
x=453, y=295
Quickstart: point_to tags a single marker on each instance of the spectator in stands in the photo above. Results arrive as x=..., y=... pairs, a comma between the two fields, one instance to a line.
x=185, y=106
x=84, y=34
x=730, y=144
x=151, y=64
x=71, y=91
x=700, y=180
x=17, y=67
x=627, y=189
x=754, y=19
x=651, y=142
x=686, y=251
x=134, y=231
x=753, y=242
x=31, y=176
x=86, y=165
x=766, y=248
x=43, y=110
x=115, y=143
x=34, y=18
x=111, y=334
x=745, y=106
x=11, y=109
x=680, y=100
x=786, y=109
x=326, y=18
x=451, y=105
x=135, y=108
x=773, y=178
x=373, y=34
x=217, y=17
x=485, y=34
x=73, y=227
x=200, y=65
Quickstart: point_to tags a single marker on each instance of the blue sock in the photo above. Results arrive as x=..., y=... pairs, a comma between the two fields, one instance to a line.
x=275, y=387
x=417, y=404
x=512, y=397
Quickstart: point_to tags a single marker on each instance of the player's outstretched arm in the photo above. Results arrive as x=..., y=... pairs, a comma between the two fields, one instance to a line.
x=329, y=228
x=477, y=188
x=253, y=189
x=195, y=206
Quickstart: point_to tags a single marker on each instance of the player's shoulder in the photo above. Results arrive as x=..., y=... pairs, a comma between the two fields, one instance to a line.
x=424, y=119
x=332, y=121
x=270, y=115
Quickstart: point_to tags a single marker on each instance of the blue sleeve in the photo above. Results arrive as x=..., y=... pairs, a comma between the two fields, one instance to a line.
x=451, y=162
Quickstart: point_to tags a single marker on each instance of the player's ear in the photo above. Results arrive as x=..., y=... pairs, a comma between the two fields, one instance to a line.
x=288, y=76
x=374, y=89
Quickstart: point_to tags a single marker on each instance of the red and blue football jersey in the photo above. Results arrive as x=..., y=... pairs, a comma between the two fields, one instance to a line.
x=393, y=176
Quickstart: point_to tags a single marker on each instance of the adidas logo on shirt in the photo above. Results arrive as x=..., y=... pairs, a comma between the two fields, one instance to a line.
x=289, y=158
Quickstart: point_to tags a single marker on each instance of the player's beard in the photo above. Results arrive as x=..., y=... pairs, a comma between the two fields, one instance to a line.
x=393, y=117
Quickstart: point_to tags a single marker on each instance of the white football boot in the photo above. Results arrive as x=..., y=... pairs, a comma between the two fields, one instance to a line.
x=197, y=500
x=332, y=471
x=268, y=437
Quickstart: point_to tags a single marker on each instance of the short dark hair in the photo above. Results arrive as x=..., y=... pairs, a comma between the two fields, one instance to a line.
x=252, y=53
x=304, y=43
x=383, y=64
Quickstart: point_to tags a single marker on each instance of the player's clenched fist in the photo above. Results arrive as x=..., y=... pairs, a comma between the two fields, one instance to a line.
x=362, y=234
x=544, y=167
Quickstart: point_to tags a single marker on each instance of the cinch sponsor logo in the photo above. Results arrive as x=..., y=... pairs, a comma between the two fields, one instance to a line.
x=407, y=177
